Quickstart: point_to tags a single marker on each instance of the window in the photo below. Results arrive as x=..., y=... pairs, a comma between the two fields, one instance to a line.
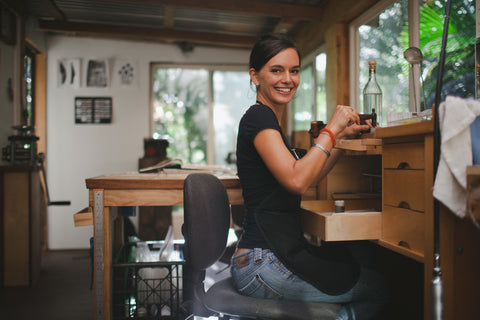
x=389, y=28
x=29, y=111
x=232, y=96
x=310, y=102
x=303, y=107
x=198, y=109
x=321, y=91
x=459, y=70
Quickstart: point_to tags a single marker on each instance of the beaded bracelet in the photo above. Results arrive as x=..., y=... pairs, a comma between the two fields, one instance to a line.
x=330, y=133
x=319, y=146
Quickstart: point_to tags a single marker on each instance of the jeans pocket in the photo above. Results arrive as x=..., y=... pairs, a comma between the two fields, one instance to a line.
x=257, y=288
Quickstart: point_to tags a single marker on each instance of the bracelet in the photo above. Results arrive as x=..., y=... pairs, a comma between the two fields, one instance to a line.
x=319, y=146
x=330, y=133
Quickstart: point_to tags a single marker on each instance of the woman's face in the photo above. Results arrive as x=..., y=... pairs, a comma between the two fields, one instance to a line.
x=278, y=79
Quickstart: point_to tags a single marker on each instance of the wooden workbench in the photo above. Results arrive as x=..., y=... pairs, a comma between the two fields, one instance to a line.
x=134, y=189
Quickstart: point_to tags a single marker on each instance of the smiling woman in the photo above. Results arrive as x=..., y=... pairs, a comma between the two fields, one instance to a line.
x=278, y=79
x=273, y=260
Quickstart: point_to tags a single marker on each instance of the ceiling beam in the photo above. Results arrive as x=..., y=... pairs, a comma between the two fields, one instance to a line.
x=168, y=17
x=251, y=7
x=54, y=11
x=285, y=24
x=19, y=7
x=130, y=32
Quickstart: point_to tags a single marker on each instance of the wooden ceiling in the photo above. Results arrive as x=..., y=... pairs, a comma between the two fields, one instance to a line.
x=188, y=23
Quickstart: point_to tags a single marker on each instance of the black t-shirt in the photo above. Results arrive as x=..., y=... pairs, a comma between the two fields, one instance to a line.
x=256, y=180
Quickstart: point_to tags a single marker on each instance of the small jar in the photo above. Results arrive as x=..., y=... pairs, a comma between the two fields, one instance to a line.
x=339, y=206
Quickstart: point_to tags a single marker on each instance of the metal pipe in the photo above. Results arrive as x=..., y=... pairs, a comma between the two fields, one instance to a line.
x=437, y=285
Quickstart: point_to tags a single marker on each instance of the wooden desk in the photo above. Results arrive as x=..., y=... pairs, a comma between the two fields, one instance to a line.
x=131, y=190
x=407, y=221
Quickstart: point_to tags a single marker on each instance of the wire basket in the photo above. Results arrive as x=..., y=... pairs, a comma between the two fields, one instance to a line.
x=147, y=290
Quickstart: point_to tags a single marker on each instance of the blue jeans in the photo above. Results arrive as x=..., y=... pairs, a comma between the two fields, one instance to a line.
x=258, y=273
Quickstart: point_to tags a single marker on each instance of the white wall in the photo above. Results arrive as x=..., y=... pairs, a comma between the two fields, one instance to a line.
x=77, y=152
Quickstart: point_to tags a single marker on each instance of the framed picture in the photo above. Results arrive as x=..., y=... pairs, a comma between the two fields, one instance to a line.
x=93, y=110
x=8, y=25
x=68, y=73
x=97, y=73
x=125, y=73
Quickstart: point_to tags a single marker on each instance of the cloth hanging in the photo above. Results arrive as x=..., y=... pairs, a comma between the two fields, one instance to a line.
x=455, y=117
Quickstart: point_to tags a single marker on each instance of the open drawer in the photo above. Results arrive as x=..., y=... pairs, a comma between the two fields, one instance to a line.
x=362, y=220
x=83, y=218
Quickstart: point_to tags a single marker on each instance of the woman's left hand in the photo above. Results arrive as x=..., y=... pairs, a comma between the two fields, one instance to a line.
x=354, y=131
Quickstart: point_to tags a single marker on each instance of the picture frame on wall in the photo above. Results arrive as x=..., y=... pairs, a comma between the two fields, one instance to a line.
x=93, y=110
x=97, y=73
x=125, y=73
x=8, y=25
x=68, y=73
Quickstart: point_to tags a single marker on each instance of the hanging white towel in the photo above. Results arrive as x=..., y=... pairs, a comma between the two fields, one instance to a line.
x=455, y=117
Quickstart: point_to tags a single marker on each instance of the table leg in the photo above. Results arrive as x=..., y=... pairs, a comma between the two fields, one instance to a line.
x=102, y=257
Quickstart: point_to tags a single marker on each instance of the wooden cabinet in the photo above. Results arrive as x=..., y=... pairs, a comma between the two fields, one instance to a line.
x=407, y=226
x=407, y=174
x=23, y=224
x=404, y=179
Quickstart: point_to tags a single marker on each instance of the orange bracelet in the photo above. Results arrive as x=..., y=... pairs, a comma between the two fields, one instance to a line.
x=330, y=133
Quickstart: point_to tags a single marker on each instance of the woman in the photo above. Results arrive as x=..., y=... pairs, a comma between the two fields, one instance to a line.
x=273, y=260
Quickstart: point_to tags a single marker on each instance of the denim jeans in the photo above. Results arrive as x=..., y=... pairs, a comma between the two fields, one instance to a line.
x=258, y=273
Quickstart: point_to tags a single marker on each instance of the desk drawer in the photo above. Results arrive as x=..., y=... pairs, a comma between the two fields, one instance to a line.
x=404, y=156
x=403, y=228
x=354, y=224
x=404, y=188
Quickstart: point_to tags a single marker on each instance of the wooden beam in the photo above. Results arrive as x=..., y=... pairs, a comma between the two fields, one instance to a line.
x=311, y=35
x=168, y=17
x=130, y=32
x=17, y=6
x=251, y=7
x=54, y=11
x=285, y=24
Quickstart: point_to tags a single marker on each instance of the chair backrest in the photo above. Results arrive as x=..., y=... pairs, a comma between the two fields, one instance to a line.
x=206, y=219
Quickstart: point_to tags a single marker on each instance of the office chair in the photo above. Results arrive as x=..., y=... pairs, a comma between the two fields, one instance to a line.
x=206, y=225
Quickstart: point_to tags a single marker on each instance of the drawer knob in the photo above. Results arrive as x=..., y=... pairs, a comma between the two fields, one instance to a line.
x=404, y=205
x=403, y=165
x=404, y=244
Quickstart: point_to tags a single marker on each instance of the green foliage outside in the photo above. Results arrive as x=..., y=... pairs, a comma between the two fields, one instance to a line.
x=180, y=104
x=386, y=37
x=459, y=70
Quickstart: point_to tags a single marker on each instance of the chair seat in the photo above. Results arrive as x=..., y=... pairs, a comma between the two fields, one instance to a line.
x=222, y=297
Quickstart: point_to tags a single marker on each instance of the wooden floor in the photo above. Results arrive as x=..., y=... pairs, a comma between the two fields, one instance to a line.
x=62, y=291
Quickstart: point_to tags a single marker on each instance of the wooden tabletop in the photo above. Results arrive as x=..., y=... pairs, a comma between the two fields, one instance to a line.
x=159, y=180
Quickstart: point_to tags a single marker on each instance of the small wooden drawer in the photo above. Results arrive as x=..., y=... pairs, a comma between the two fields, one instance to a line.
x=404, y=189
x=404, y=228
x=404, y=156
x=83, y=218
x=319, y=220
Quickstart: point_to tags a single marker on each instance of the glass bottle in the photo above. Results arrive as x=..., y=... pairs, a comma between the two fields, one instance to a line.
x=372, y=95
